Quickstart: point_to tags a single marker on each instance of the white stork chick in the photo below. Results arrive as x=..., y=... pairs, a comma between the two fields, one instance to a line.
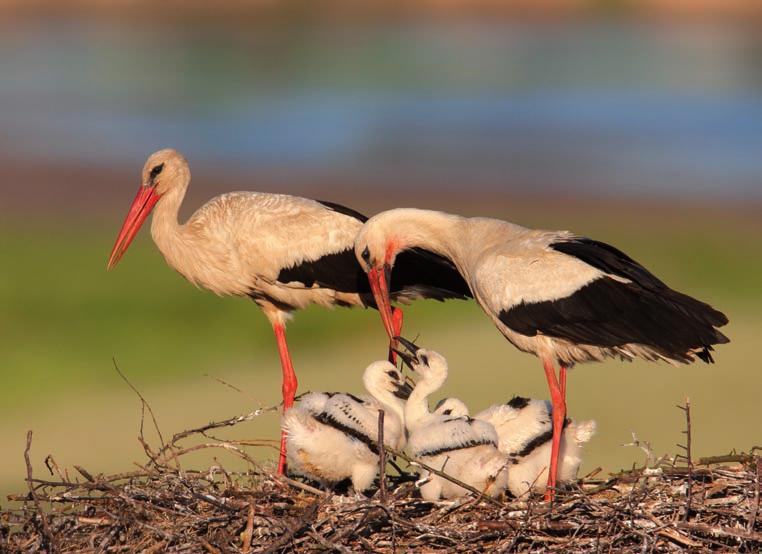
x=564, y=298
x=283, y=252
x=525, y=429
x=462, y=447
x=334, y=436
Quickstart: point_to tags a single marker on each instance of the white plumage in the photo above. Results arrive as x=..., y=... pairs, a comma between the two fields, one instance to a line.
x=284, y=252
x=464, y=448
x=562, y=297
x=334, y=436
x=524, y=429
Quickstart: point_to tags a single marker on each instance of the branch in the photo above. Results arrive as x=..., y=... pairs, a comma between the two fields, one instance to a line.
x=381, y=459
x=30, y=481
x=144, y=406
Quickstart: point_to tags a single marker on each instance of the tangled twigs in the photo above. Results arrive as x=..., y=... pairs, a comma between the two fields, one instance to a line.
x=161, y=508
x=49, y=538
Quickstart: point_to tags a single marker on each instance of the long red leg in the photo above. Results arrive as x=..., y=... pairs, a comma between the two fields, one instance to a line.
x=558, y=397
x=397, y=317
x=562, y=379
x=289, y=387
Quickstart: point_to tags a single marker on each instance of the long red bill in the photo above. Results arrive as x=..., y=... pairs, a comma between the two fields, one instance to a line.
x=379, y=288
x=144, y=202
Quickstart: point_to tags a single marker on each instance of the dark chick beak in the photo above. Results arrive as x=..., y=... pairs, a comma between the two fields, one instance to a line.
x=406, y=358
x=403, y=391
x=407, y=344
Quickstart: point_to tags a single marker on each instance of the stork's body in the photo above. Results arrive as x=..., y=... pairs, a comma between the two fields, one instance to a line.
x=282, y=251
x=562, y=297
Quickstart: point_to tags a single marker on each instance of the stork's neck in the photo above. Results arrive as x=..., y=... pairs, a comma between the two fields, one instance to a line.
x=438, y=232
x=417, y=406
x=173, y=240
x=392, y=404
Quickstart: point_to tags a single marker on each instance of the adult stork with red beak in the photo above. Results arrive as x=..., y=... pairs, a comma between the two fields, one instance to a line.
x=562, y=297
x=284, y=252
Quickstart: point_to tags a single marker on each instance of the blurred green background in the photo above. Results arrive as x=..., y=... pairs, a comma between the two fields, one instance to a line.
x=644, y=132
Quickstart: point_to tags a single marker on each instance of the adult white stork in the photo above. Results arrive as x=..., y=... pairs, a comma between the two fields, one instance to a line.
x=562, y=297
x=284, y=252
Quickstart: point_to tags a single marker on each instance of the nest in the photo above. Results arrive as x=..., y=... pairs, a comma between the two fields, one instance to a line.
x=676, y=504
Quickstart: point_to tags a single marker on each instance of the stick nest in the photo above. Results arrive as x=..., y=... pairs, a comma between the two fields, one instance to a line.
x=707, y=504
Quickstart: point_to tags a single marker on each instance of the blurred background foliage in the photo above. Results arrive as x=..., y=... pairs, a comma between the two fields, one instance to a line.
x=638, y=123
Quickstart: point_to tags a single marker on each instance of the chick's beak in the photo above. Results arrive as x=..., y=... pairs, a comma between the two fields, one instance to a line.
x=403, y=390
x=411, y=346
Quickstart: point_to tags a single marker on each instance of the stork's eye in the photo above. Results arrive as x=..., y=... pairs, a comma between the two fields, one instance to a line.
x=393, y=374
x=366, y=255
x=155, y=170
x=424, y=359
x=447, y=411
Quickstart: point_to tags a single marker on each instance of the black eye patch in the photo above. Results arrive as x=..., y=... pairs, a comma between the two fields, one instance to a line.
x=393, y=374
x=447, y=412
x=366, y=254
x=424, y=359
x=155, y=171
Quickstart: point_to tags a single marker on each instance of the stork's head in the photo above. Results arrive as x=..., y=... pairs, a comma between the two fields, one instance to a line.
x=165, y=171
x=376, y=247
x=428, y=365
x=451, y=407
x=383, y=380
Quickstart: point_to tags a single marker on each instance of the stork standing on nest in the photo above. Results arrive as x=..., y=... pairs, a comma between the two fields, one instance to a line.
x=284, y=252
x=562, y=297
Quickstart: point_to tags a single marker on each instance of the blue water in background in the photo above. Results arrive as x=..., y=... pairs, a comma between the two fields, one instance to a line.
x=601, y=107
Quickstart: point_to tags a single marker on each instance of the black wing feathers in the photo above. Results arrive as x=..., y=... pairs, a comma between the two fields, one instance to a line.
x=343, y=210
x=431, y=275
x=609, y=260
x=609, y=313
x=416, y=270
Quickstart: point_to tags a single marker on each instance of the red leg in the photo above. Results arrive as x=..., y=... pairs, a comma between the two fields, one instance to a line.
x=289, y=386
x=558, y=397
x=562, y=379
x=397, y=326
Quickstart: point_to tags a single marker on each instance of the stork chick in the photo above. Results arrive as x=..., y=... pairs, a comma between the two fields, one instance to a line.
x=334, y=436
x=525, y=428
x=462, y=447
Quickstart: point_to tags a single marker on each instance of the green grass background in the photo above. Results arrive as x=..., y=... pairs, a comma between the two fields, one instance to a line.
x=63, y=318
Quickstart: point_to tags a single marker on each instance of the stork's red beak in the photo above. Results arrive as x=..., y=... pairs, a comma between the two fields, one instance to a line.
x=379, y=279
x=144, y=202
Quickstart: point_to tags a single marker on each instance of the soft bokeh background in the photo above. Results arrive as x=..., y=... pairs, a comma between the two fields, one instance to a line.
x=637, y=123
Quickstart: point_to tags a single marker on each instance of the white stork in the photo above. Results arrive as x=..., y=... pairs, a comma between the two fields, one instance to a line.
x=284, y=252
x=334, y=436
x=562, y=297
x=524, y=428
x=463, y=447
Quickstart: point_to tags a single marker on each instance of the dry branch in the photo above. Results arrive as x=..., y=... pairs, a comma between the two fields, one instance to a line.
x=162, y=508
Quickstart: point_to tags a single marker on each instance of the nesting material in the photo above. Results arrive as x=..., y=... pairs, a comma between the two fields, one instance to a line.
x=163, y=510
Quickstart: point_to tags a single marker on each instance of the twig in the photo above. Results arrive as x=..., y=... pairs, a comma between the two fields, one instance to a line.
x=213, y=425
x=249, y=532
x=30, y=481
x=758, y=488
x=298, y=485
x=728, y=458
x=381, y=459
x=687, y=448
x=144, y=406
